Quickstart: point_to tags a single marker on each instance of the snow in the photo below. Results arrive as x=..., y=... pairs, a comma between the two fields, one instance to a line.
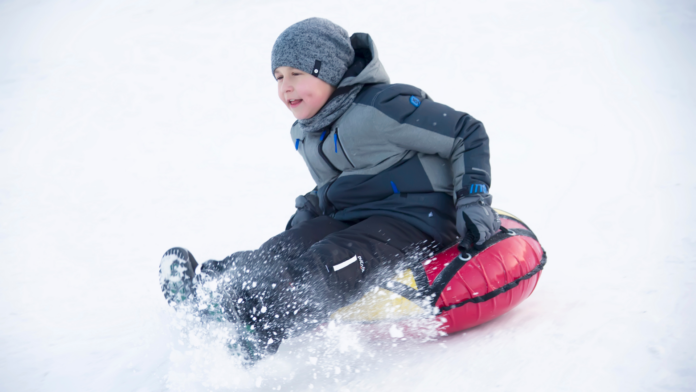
x=130, y=127
x=395, y=332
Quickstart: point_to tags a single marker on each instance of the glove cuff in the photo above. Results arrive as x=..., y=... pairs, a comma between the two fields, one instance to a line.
x=472, y=189
x=483, y=199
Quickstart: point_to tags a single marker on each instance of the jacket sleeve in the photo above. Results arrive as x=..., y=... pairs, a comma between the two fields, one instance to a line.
x=429, y=127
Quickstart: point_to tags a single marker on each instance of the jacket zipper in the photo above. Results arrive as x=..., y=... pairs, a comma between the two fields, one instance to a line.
x=343, y=150
x=321, y=152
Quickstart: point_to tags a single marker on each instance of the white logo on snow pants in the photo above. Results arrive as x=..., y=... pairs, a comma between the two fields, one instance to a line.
x=350, y=261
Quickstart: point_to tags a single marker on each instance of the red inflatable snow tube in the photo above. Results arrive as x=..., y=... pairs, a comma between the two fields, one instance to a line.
x=464, y=290
x=472, y=288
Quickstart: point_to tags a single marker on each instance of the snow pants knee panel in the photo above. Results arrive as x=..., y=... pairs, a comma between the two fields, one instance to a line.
x=342, y=266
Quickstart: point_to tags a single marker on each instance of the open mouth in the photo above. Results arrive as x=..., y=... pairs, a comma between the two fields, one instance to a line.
x=294, y=102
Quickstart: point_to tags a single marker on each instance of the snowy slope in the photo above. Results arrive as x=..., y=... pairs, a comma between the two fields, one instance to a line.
x=128, y=127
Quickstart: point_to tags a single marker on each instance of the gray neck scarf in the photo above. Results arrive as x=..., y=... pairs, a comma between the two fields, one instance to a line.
x=331, y=111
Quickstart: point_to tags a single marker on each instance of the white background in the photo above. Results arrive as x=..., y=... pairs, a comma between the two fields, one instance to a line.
x=128, y=127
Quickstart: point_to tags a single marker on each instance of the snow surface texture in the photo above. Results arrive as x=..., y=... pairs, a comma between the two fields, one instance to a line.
x=130, y=127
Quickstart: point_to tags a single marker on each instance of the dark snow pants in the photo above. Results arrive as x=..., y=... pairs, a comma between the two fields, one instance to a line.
x=335, y=262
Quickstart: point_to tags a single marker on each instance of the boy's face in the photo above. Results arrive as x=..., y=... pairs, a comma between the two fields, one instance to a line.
x=301, y=92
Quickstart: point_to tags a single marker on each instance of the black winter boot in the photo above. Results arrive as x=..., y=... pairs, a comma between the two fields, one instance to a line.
x=272, y=309
x=261, y=326
x=177, y=270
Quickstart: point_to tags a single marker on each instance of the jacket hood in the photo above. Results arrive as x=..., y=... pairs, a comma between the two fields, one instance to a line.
x=366, y=68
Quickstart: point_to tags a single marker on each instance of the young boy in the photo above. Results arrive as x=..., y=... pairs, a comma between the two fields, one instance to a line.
x=394, y=170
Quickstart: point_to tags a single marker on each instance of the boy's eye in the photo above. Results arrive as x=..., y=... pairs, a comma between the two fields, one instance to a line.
x=279, y=77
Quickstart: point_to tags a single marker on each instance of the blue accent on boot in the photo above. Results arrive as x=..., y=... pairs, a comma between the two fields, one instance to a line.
x=415, y=101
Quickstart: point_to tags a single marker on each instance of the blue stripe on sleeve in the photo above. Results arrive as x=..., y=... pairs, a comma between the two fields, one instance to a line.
x=394, y=188
x=478, y=188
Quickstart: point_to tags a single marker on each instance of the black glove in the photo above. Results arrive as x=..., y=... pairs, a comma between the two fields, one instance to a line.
x=307, y=208
x=476, y=220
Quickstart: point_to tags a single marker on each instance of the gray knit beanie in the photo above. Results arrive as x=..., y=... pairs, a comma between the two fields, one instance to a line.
x=316, y=46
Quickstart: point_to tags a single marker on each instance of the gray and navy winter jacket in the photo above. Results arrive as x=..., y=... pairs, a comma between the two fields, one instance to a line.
x=395, y=152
